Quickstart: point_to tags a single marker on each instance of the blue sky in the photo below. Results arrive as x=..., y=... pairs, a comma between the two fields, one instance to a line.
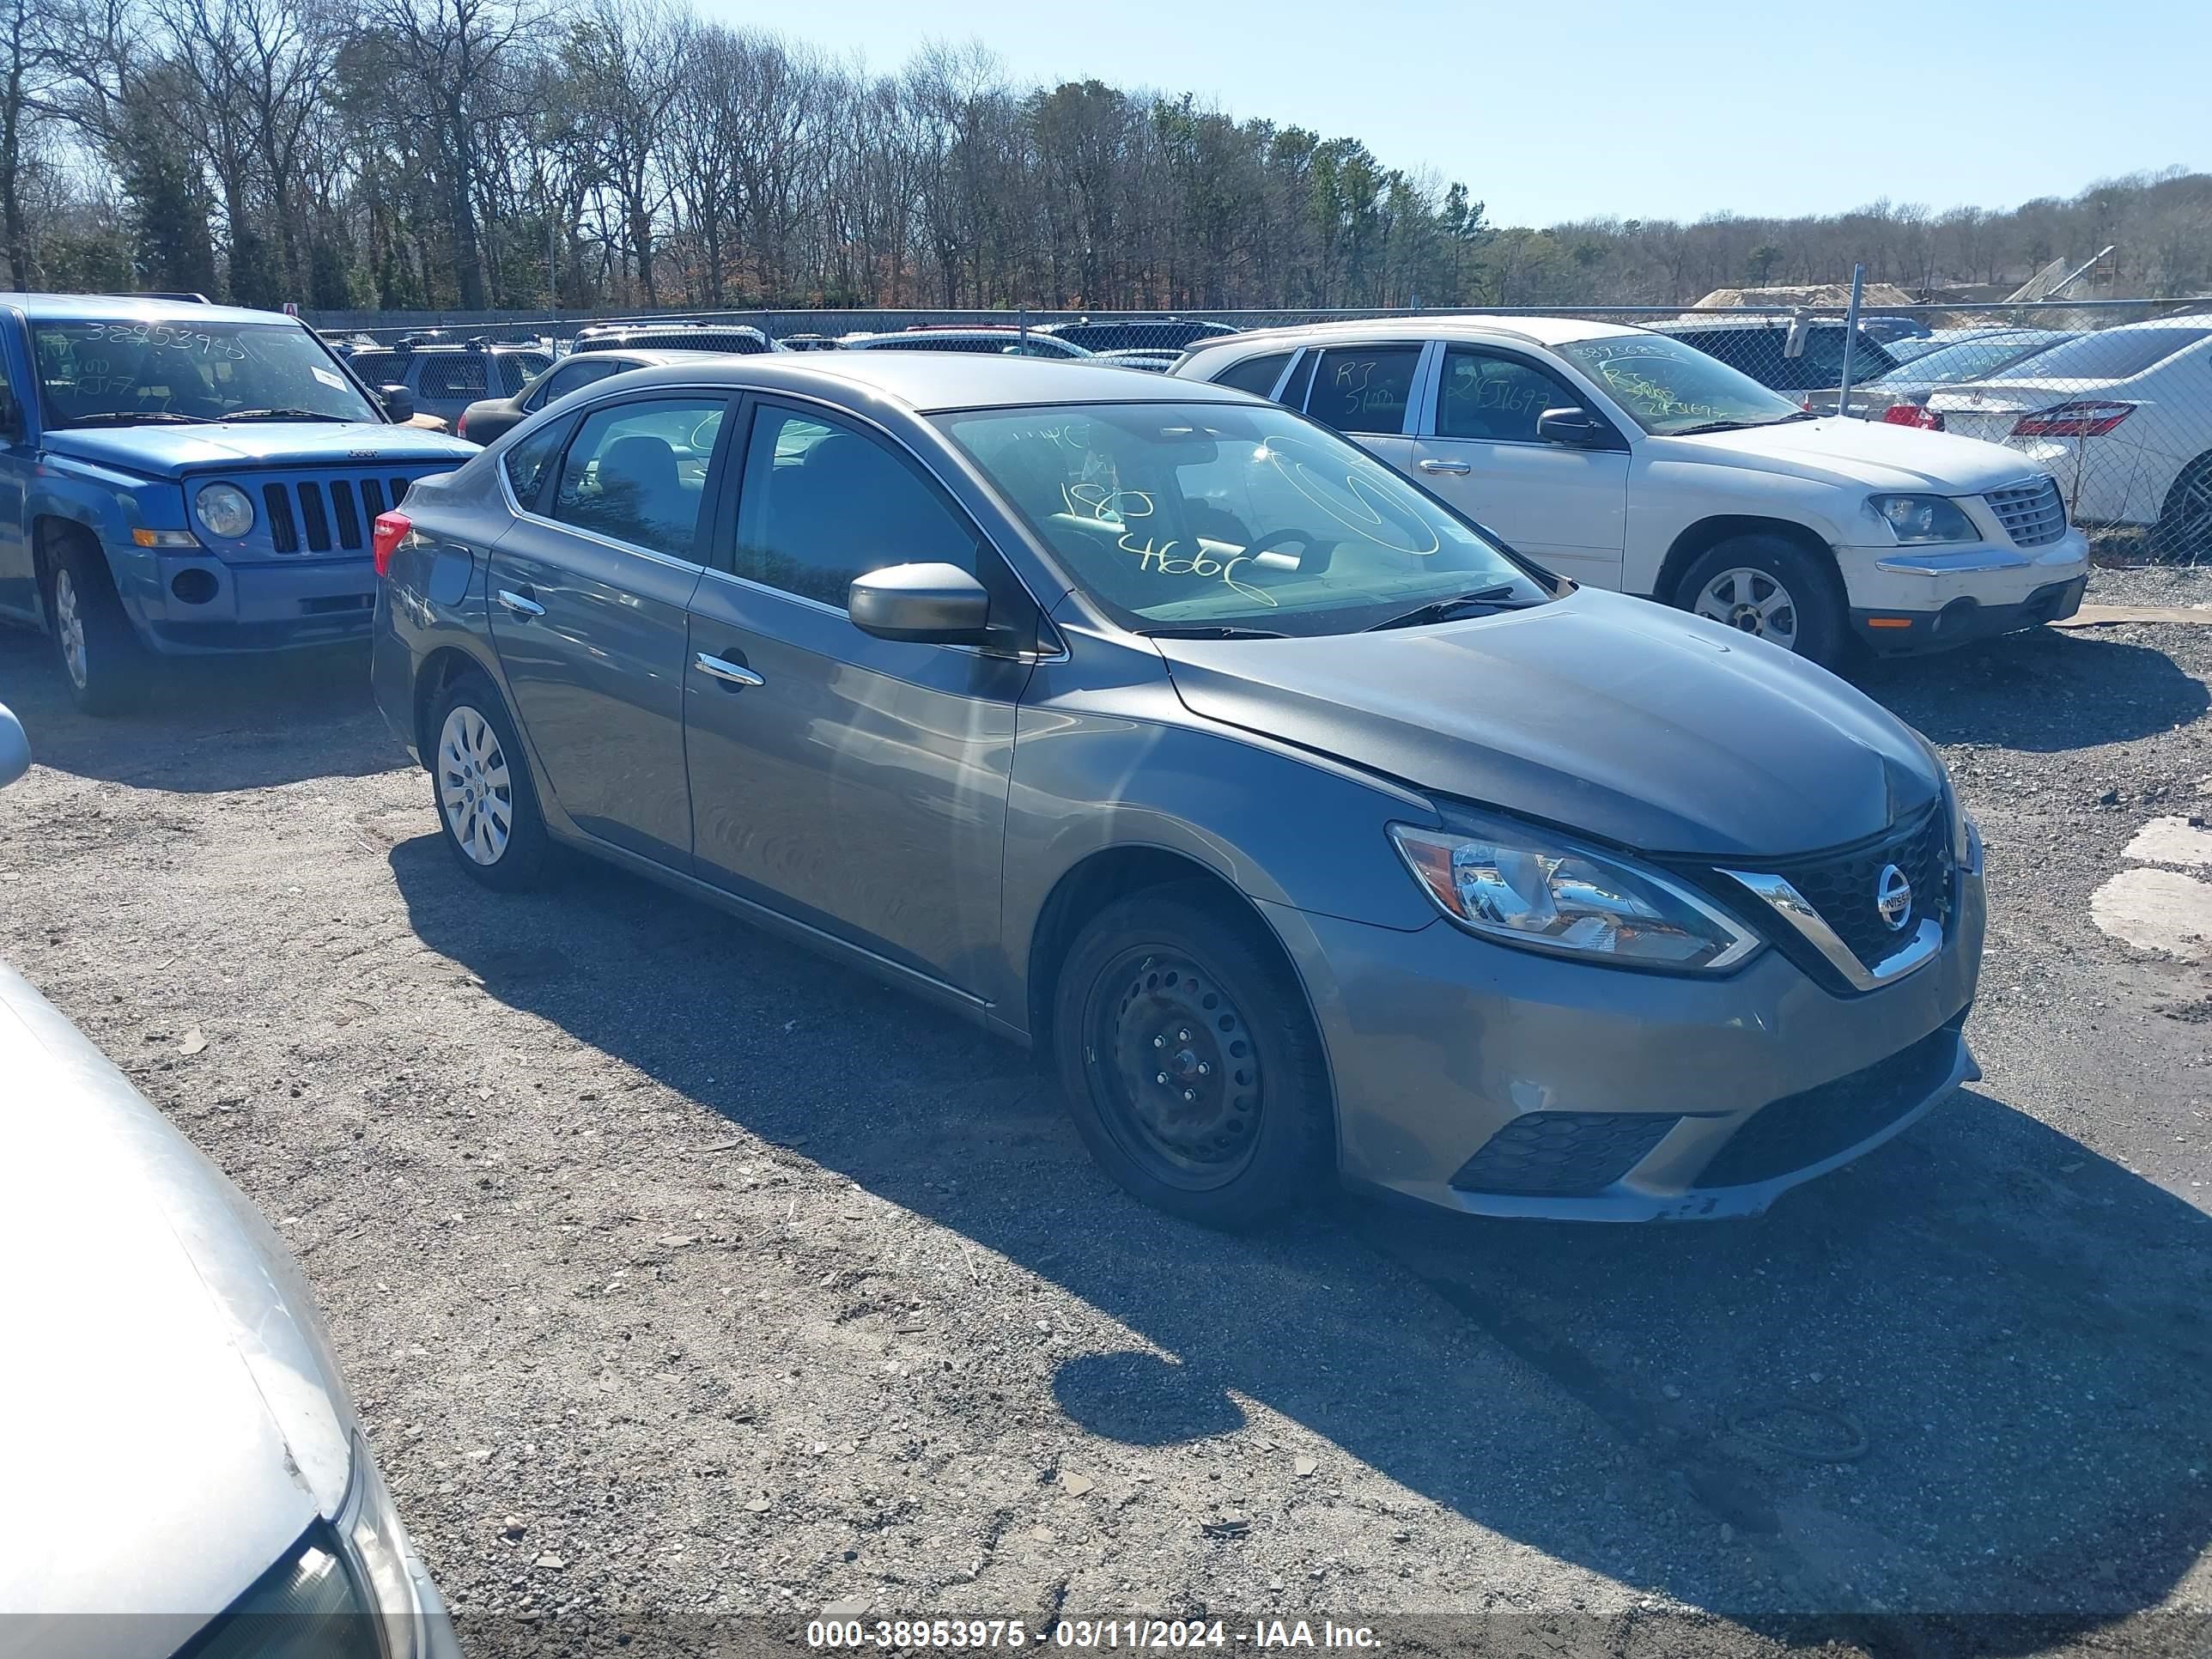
x=1557, y=112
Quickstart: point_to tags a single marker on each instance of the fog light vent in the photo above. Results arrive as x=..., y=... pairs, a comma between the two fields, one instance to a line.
x=193, y=586
x=1567, y=1154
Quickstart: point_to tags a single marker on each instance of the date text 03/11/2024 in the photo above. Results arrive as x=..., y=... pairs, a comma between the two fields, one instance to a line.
x=1146, y=1634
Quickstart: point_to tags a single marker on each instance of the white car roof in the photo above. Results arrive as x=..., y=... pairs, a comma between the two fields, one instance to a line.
x=1532, y=331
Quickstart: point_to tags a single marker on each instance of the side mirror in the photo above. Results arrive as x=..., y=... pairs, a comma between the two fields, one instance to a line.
x=928, y=604
x=15, y=748
x=398, y=404
x=1575, y=427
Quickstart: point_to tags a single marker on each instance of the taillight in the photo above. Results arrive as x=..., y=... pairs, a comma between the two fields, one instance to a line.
x=2088, y=419
x=391, y=530
x=1913, y=415
x=461, y=426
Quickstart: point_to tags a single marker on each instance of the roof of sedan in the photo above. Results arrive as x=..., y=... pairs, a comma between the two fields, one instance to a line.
x=930, y=381
x=131, y=308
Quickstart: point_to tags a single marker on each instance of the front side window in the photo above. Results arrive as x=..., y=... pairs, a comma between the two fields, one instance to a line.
x=637, y=472
x=1495, y=398
x=822, y=503
x=1364, y=388
x=1176, y=516
x=128, y=374
x=1670, y=389
x=1257, y=375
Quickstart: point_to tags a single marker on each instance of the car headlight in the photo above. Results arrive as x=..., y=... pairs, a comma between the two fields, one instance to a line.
x=1966, y=834
x=1524, y=886
x=345, y=1593
x=1920, y=518
x=225, y=510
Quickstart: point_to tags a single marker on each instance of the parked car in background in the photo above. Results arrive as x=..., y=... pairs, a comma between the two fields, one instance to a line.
x=481, y=422
x=1168, y=334
x=185, y=1471
x=1309, y=830
x=444, y=380
x=1799, y=355
x=187, y=479
x=2122, y=418
x=741, y=338
x=1899, y=395
x=806, y=342
x=1008, y=341
x=1893, y=332
x=1628, y=460
x=1153, y=362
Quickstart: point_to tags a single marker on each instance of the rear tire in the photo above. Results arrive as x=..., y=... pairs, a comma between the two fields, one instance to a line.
x=487, y=803
x=1768, y=586
x=1169, y=983
x=2183, y=534
x=102, y=662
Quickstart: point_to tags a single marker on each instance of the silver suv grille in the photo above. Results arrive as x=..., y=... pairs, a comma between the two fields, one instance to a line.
x=2033, y=514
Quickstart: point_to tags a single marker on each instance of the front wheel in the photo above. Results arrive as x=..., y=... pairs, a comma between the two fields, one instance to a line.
x=1770, y=587
x=1191, y=1065
x=101, y=659
x=486, y=803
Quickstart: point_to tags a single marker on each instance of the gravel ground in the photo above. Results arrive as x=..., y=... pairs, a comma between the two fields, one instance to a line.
x=685, y=1280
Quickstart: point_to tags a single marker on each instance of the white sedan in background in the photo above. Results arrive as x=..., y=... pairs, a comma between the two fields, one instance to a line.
x=180, y=1468
x=1628, y=460
x=2122, y=418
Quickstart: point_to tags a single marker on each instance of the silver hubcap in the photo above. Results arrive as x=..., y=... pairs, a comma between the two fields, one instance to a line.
x=68, y=627
x=1752, y=602
x=474, y=790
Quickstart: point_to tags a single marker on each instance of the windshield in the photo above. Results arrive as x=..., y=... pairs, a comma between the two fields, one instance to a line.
x=1214, y=516
x=1668, y=387
x=1969, y=360
x=117, y=373
x=2111, y=356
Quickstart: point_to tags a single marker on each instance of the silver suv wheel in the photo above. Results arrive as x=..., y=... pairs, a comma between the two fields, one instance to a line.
x=1751, y=602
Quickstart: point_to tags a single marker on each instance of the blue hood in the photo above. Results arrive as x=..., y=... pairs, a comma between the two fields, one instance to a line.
x=172, y=452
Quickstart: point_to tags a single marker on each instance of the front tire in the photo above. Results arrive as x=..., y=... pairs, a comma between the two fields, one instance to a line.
x=1190, y=1064
x=1769, y=586
x=2183, y=534
x=101, y=661
x=487, y=803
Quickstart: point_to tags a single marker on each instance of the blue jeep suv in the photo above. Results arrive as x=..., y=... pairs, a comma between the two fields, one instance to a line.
x=182, y=479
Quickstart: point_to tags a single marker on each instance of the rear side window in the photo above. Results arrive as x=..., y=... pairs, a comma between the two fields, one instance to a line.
x=637, y=472
x=576, y=372
x=1257, y=375
x=460, y=375
x=525, y=462
x=822, y=503
x=1364, y=388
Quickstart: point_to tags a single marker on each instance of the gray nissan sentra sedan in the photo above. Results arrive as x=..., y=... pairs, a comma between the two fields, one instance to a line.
x=1306, y=828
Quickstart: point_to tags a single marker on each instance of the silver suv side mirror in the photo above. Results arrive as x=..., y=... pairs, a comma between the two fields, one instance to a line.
x=15, y=748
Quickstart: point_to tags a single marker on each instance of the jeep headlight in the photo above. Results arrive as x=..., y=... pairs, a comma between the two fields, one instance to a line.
x=1916, y=519
x=224, y=510
x=1522, y=885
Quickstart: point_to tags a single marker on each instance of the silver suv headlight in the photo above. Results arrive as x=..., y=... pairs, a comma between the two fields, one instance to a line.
x=1522, y=885
x=225, y=510
x=1917, y=519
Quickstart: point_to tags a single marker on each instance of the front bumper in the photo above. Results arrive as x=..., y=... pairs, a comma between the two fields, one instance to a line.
x=1924, y=599
x=1652, y=1091
x=192, y=605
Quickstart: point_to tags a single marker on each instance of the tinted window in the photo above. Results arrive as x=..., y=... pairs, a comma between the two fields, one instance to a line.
x=822, y=503
x=1495, y=397
x=459, y=376
x=1257, y=375
x=638, y=472
x=1364, y=388
x=576, y=372
x=1968, y=360
x=2111, y=356
x=526, y=461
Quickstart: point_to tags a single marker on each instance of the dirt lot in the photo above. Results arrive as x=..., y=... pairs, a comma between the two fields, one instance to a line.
x=685, y=1280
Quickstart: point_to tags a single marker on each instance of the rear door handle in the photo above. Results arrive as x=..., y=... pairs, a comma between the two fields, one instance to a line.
x=1445, y=466
x=521, y=604
x=729, y=673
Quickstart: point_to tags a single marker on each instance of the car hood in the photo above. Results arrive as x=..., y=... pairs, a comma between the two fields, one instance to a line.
x=173, y=450
x=170, y=1422
x=1859, y=455
x=1608, y=715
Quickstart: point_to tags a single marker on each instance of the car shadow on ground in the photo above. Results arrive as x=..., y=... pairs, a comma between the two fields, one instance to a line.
x=2043, y=689
x=211, y=726
x=1971, y=1375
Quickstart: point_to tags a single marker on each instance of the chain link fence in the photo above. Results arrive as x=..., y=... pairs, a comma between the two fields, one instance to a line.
x=2112, y=397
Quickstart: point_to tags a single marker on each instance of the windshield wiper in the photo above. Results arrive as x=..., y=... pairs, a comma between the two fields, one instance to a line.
x=1210, y=631
x=288, y=415
x=1741, y=425
x=140, y=417
x=1499, y=597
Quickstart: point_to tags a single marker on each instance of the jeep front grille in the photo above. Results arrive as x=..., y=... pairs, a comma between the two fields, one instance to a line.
x=327, y=515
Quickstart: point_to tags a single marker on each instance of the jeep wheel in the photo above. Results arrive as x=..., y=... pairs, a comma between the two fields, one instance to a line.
x=101, y=660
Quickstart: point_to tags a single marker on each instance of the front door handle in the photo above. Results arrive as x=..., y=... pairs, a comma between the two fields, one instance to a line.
x=521, y=603
x=729, y=673
x=1445, y=466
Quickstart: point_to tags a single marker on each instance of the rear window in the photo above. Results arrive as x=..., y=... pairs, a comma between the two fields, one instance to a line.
x=1257, y=375
x=2113, y=356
